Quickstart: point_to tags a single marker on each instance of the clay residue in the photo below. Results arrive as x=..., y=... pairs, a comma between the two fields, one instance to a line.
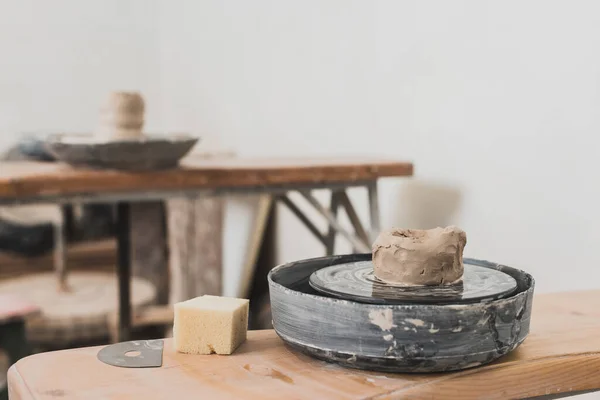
x=267, y=371
x=281, y=376
x=363, y=381
x=419, y=257
x=384, y=319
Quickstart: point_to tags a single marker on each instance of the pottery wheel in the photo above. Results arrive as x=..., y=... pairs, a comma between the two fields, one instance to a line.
x=355, y=281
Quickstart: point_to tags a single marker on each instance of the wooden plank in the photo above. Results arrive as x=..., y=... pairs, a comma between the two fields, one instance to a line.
x=195, y=246
x=562, y=354
x=20, y=180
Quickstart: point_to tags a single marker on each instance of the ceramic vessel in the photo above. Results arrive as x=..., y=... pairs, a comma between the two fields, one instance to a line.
x=145, y=153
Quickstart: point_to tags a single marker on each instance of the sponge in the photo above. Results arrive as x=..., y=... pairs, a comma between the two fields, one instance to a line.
x=210, y=324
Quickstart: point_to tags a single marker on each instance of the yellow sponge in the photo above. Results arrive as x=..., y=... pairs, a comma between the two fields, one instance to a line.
x=210, y=324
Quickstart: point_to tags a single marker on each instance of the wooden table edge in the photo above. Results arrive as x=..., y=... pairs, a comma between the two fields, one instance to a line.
x=71, y=182
x=495, y=387
x=15, y=390
x=493, y=375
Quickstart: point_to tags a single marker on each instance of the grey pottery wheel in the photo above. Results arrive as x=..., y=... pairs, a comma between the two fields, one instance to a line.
x=356, y=281
x=400, y=337
x=147, y=153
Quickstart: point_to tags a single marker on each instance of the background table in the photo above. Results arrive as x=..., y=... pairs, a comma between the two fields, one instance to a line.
x=33, y=182
x=28, y=181
x=561, y=355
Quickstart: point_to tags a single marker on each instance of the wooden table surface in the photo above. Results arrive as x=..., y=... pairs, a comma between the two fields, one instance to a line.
x=36, y=179
x=562, y=354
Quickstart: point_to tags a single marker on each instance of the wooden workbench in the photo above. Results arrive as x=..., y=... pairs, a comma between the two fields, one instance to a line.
x=35, y=182
x=561, y=355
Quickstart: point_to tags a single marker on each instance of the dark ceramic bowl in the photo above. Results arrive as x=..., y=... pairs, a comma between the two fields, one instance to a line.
x=396, y=338
x=147, y=153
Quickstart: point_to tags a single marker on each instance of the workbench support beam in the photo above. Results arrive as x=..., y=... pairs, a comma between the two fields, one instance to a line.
x=353, y=217
x=331, y=234
x=332, y=220
x=303, y=218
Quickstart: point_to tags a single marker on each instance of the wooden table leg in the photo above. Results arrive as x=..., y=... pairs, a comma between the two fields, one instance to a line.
x=374, y=209
x=149, y=246
x=124, y=270
x=148, y=260
x=331, y=233
x=60, y=255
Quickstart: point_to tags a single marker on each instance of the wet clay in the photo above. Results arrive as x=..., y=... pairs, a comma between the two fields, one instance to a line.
x=415, y=257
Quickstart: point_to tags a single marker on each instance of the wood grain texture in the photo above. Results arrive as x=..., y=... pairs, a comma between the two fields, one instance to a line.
x=195, y=233
x=562, y=354
x=21, y=180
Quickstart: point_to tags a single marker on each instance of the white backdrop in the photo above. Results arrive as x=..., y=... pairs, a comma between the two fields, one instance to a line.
x=497, y=103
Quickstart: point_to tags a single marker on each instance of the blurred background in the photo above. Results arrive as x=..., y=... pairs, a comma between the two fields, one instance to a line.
x=496, y=103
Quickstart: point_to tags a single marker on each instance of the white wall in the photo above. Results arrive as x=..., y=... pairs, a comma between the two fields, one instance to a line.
x=58, y=58
x=497, y=103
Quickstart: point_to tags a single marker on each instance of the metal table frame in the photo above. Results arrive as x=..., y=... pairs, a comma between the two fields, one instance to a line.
x=360, y=238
